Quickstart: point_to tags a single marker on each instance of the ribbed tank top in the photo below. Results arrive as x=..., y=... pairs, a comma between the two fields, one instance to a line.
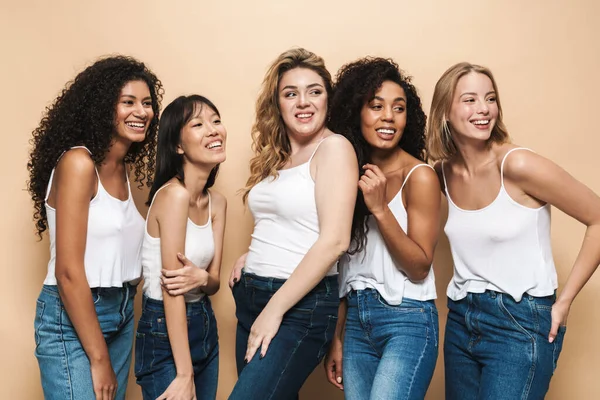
x=286, y=224
x=504, y=247
x=199, y=249
x=375, y=268
x=113, y=243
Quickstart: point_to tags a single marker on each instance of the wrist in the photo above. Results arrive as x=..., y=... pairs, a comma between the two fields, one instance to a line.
x=380, y=213
x=564, y=299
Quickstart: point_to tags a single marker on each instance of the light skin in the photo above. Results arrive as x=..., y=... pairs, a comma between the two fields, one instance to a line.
x=168, y=218
x=303, y=105
x=75, y=183
x=383, y=120
x=473, y=177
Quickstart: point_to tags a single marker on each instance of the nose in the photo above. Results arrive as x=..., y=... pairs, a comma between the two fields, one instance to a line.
x=302, y=100
x=388, y=114
x=483, y=108
x=140, y=111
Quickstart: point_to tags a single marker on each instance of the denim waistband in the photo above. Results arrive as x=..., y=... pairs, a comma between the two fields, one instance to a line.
x=368, y=292
x=327, y=285
x=52, y=290
x=493, y=294
x=154, y=305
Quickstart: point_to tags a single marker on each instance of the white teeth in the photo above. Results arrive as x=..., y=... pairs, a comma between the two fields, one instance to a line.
x=304, y=115
x=214, y=145
x=135, y=124
x=482, y=122
x=386, y=131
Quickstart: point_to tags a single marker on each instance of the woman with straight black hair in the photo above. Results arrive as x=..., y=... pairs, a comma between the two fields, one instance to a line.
x=177, y=351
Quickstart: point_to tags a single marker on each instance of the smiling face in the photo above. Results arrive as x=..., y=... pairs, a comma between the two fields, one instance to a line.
x=133, y=112
x=203, y=137
x=383, y=118
x=474, y=108
x=302, y=102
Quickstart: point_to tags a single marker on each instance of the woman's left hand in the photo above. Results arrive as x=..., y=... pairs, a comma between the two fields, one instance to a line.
x=373, y=185
x=560, y=312
x=263, y=330
x=182, y=280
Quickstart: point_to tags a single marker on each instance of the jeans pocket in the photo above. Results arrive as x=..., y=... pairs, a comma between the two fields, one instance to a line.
x=96, y=297
x=406, y=306
x=39, y=314
x=515, y=317
x=557, y=348
x=139, y=353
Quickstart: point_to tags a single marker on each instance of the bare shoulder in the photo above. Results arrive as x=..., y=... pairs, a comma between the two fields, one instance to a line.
x=219, y=202
x=335, y=144
x=521, y=163
x=423, y=177
x=173, y=197
x=77, y=163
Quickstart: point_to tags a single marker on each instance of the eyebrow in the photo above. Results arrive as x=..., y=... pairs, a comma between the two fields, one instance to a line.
x=395, y=100
x=312, y=85
x=133, y=97
x=475, y=94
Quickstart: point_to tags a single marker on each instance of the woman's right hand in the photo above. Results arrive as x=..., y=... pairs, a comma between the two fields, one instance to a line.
x=182, y=388
x=333, y=363
x=104, y=380
x=236, y=271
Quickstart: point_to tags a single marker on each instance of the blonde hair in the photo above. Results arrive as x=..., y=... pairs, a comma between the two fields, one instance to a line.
x=440, y=145
x=270, y=143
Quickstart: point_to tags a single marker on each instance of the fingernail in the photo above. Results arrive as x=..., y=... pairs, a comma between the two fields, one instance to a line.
x=551, y=340
x=261, y=356
x=339, y=379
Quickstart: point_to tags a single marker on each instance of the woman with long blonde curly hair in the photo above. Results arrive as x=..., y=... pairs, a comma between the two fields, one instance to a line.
x=301, y=192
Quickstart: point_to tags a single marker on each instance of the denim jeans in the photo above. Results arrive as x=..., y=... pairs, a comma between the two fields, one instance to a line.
x=64, y=365
x=298, y=347
x=390, y=351
x=496, y=348
x=154, y=362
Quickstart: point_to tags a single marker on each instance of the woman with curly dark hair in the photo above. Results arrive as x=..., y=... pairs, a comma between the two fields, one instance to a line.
x=387, y=332
x=105, y=119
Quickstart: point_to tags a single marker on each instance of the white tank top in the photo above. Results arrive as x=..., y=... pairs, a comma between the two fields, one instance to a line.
x=504, y=247
x=286, y=224
x=115, y=230
x=199, y=249
x=375, y=268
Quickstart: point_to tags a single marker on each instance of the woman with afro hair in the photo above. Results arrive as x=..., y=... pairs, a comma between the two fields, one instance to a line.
x=387, y=333
x=104, y=122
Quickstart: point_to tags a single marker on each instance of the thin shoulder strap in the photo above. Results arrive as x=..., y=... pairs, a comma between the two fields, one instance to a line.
x=316, y=148
x=444, y=177
x=504, y=159
x=53, y=169
x=155, y=194
x=411, y=171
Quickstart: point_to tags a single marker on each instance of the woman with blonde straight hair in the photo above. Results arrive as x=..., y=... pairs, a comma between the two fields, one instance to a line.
x=505, y=324
x=301, y=192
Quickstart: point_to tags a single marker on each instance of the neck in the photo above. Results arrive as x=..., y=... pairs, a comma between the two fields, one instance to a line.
x=473, y=154
x=299, y=142
x=195, y=178
x=387, y=161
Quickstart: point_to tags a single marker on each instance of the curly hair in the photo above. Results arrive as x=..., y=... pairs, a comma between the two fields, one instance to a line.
x=356, y=84
x=84, y=114
x=440, y=144
x=270, y=143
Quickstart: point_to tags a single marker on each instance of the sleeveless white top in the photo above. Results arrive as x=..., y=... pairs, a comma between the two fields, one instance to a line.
x=115, y=230
x=199, y=249
x=504, y=247
x=375, y=268
x=286, y=224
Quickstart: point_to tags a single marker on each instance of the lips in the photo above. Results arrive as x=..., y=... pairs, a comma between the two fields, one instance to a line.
x=215, y=144
x=137, y=126
x=305, y=116
x=481, y=123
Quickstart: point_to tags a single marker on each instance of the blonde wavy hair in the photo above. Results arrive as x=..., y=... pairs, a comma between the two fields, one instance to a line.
x=440, y=145
x=270, y=142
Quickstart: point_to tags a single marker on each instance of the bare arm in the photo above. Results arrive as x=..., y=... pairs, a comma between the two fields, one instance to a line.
x=74, y=185
x=170, y=210
x=412, y=250
x=335, y=194
x=218, y=224
x=334, y=358
x=544, y=180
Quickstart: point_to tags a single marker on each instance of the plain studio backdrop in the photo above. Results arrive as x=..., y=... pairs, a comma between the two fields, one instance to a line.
x=544, y=54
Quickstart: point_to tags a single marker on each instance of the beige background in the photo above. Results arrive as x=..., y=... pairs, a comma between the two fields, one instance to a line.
x=545, y=56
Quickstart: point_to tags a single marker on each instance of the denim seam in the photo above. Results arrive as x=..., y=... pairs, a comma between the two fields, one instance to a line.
x=40, y=316
x=142, y=337
x=65, y=357
x=412, y=379
x=500, y=302
x=298, y=343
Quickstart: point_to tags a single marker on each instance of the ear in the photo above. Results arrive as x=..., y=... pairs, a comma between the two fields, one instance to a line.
x=179, y=149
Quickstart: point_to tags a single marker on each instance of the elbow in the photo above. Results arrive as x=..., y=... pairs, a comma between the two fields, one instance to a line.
x=419, y=272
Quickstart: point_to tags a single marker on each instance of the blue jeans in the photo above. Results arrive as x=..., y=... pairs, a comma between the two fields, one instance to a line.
x=390, y=351
x=496, y=348
x=298, y=347
x=64, y=365
x=154, y=362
